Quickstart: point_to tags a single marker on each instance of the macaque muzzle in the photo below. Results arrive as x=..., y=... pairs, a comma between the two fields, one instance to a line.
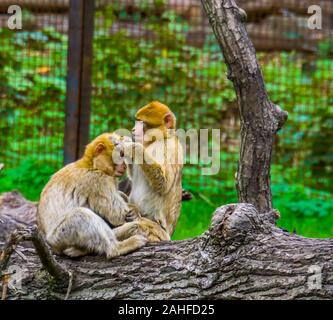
x=120, y=169
x=138, y=130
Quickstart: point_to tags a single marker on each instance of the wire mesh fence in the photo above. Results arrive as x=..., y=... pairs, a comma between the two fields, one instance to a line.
x=32, y=83
x=147, y=51
x=165, y=50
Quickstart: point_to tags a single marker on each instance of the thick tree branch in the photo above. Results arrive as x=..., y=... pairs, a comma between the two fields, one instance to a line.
x=260, y=118
x=62, y=276
x=55, y=269
x=7, y=251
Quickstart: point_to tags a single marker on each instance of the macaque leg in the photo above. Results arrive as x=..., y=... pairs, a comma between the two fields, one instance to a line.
x=143, y=226
x=74, y=252
x=125, y=231
x=123, y=247
x=152, y=230
x=82, y=232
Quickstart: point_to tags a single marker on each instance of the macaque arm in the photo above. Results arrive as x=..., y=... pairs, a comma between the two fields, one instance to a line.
x=160, y=176
x=113, y=209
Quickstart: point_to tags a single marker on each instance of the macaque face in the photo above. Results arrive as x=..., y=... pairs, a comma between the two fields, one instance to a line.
x=104, y=157
x=119, y=169
x=152, y=123
x=119, y=165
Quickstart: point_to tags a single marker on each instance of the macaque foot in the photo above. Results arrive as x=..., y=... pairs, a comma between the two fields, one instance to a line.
x=126, y=230
x=74, y=252
x=129, y=245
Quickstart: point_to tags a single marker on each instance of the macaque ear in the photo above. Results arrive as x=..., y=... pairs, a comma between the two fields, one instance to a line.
x=99, y=148
x=168, y=120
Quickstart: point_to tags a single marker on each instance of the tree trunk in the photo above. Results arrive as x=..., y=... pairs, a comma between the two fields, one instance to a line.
x=242, y=256
x=260, y=118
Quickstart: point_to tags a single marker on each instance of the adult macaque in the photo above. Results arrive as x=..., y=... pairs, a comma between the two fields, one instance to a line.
x=79, y=199
x=155, y=162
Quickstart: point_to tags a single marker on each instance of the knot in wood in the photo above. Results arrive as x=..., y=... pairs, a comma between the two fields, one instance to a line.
x=236, y=221
x=242, y=15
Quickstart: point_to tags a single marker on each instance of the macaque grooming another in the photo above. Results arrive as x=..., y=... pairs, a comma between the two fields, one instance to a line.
x=79, y=199
x=155, y=162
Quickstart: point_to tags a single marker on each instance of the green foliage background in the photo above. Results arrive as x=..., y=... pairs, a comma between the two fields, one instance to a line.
x=128, y=72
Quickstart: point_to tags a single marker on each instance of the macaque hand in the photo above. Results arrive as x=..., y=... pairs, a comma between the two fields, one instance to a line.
x=123, y=195
x=132, y=214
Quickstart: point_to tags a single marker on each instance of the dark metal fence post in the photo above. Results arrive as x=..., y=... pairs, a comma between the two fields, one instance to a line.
x=79, y=63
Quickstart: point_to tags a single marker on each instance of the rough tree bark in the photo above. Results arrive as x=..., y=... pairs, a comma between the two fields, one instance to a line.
x=260, y=118
x=243, y=255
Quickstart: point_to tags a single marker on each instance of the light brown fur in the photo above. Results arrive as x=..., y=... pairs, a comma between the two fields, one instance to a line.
x=157, y=181
x=79, y=199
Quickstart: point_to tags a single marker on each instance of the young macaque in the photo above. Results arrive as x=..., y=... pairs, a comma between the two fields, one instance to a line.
x=155, y=162
x=79, y=199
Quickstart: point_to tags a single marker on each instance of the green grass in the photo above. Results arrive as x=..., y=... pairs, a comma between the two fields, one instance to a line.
x=307, y=211
x=29, y=178
x=308, y=227
x=196, y=216
x=194, y=219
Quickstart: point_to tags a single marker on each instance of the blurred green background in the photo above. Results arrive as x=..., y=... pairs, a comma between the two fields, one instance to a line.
x=161, y=63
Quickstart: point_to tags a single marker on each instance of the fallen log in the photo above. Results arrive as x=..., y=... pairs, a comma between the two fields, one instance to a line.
x=241, y=256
